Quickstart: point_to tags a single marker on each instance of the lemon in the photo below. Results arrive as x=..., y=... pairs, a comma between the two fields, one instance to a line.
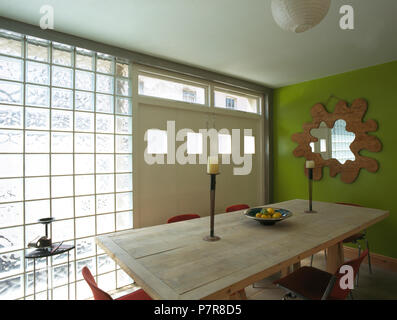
x=258, y=215
x=276, y=215
x=270, y=210
x=264, y=216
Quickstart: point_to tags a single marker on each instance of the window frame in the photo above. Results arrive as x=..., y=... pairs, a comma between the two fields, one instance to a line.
x=209, y=86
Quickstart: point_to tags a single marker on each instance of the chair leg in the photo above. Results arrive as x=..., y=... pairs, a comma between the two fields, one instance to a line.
x=358, y=272
x=351, y=295
x=369, y=257
x=311, y=260
x=325, y=255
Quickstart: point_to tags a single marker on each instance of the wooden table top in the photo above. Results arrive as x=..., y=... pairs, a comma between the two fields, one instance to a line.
x=171, y=261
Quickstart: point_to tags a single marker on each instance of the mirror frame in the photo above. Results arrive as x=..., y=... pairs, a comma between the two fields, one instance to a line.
x=353, y=116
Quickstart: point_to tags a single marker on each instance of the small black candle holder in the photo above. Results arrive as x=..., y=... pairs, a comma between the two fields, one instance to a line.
x=43, y=242
x=310, y=175
x=212, y=236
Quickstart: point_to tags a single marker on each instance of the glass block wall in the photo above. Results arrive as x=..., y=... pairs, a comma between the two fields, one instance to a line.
x=65, y=152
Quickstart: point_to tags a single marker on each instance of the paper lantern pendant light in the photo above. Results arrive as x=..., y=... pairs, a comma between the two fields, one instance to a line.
x=299, y=15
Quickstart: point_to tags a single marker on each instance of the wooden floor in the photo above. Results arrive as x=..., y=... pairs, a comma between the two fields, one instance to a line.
x=381, y=285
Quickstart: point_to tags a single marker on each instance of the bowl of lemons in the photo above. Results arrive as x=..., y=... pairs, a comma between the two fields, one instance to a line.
x=267, y=215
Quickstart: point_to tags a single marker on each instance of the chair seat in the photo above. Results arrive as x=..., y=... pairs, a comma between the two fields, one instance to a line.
x=183, y=217
x=307, y=282
x=237, y=207
x=136, y=295
x=354, y=237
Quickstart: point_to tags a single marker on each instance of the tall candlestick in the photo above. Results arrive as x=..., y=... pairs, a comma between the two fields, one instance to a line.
x=310, y=164
x=213, y=171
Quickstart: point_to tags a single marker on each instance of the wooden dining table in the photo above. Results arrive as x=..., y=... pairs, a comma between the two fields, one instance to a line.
x=172, y=261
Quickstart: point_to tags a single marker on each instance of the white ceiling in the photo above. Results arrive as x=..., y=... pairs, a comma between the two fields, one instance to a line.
x=233, y=37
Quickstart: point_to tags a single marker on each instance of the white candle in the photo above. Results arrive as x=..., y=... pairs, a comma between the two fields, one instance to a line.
x=310, y=164
x=212, y=165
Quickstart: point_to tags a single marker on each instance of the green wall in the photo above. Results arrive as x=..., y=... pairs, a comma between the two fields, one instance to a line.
x=292, y=104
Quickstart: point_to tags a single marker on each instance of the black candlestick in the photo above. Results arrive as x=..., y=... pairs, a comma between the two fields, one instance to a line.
x=310, y=174
x=212, y=236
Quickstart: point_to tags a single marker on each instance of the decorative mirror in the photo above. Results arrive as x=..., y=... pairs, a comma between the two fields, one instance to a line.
x=335, y=140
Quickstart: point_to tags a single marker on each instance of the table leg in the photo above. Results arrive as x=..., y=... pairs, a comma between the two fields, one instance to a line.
x=287, y=270
x=296, y=266
x=335, y=257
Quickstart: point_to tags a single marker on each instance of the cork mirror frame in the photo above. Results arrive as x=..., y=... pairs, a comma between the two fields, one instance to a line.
x=353, y=116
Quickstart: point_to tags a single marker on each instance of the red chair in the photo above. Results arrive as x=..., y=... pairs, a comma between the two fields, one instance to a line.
x=315, y=284
x=183, y=217
x=99, y=294
x=237, y=207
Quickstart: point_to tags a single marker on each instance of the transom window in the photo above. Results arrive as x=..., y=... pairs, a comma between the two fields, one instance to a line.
x=237, y=101
x=170, y=88
x=65, y=152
